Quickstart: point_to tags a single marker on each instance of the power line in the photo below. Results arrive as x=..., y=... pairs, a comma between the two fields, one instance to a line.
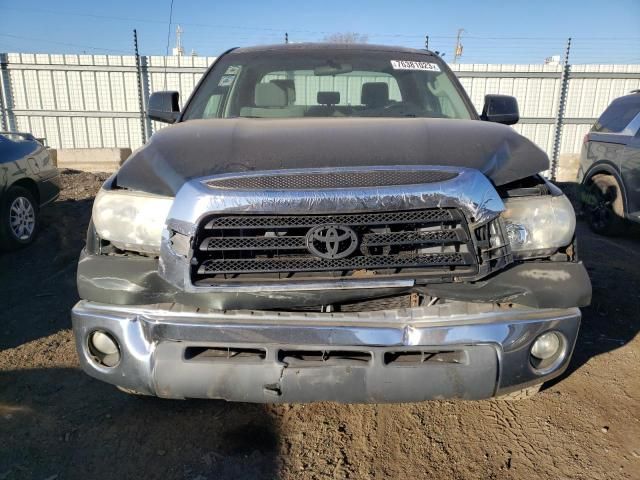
x=47, y=40
x=315, y=32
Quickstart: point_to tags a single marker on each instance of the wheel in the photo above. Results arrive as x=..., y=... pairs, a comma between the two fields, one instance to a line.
x=604, y=208
x=521, y=394
x=18, y=218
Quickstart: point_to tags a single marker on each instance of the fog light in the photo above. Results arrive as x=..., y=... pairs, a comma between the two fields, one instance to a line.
x=104, y=348
x=546, y=346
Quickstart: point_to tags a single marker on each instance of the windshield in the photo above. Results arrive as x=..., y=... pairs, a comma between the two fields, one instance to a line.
x=327, y=83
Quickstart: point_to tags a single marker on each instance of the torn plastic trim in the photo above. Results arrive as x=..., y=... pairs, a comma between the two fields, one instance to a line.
x=538, y=284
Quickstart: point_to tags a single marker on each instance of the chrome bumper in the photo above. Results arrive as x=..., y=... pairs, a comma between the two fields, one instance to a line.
x=459, y=350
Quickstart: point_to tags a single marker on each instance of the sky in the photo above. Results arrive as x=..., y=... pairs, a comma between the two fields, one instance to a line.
x=512, y=31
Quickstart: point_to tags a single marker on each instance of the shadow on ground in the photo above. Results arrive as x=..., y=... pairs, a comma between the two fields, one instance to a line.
x=610, y=322
x=64, y=423
x=37, y=283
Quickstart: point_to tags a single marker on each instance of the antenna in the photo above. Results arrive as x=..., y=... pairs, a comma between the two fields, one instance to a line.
x=166, y=53
x=178, y=50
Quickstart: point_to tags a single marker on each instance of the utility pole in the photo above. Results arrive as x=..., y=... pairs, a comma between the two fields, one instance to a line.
x=143, y=132
x=562, y=102
x=426, y=42
x=457, y=51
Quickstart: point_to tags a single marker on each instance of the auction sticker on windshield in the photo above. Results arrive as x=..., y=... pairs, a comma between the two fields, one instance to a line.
x=411, y=65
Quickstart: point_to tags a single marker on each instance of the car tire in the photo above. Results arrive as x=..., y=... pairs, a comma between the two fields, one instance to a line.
x=523, y=394
x=604, y=208
x=19, y=219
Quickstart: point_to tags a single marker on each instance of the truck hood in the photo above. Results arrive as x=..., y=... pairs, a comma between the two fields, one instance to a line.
x=200, y=148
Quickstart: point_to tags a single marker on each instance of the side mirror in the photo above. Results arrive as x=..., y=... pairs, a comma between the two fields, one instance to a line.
x=164, y=107
x=500, y=109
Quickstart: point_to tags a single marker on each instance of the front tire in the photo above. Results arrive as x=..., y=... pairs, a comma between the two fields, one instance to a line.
x=604, y=206
x=18, y=218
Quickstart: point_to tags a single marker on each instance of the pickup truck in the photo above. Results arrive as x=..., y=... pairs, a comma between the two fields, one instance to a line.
x=330, y=222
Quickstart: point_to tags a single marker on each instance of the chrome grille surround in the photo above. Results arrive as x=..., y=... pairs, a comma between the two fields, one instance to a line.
x=468, y=192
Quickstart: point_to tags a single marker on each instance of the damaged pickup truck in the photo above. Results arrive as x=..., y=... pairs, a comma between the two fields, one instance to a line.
x=330, y=222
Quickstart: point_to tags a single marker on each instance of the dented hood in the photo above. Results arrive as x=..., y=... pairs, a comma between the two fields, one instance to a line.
x=199, y=148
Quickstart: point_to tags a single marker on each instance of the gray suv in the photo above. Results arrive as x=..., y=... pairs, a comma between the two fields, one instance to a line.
x=610, y=167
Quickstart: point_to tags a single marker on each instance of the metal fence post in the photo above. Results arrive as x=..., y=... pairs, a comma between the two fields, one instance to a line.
x=143, y=132
x=6, y=97
x=562, y=102
x=146, y=88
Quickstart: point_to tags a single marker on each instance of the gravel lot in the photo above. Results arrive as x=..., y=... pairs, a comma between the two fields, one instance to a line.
x=57, y=423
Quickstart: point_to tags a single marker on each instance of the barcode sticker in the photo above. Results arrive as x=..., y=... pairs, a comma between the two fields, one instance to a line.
x=411, y=65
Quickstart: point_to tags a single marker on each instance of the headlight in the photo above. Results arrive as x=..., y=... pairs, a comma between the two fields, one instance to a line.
x=538, y=226
x=131, y=220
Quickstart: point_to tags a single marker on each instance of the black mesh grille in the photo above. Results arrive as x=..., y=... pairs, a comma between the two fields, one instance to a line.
x=434, y=242
x=286, y=221
x=324, y=180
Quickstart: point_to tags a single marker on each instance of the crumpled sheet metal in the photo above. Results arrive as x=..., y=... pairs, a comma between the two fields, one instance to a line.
x=200, y=148
x=469, y=191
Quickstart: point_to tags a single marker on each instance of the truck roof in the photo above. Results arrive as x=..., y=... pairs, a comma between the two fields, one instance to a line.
x=352, y=47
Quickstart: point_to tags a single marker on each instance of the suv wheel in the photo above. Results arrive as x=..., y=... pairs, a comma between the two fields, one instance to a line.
x=604, y=209
x=18, y=218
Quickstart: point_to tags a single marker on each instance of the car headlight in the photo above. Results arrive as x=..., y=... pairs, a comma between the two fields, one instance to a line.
x=538, y=226
x=131, y=220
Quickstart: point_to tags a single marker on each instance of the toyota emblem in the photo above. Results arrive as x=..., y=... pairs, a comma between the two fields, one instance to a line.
x=332, y=241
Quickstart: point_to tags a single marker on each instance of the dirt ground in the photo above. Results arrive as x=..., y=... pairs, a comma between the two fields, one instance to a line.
x=58, y=423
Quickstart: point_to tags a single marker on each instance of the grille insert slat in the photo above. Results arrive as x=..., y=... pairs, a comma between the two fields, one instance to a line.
x=299, y=242
x=290, y=221
x=252, y=243
x=328, y=180
x=313, y=264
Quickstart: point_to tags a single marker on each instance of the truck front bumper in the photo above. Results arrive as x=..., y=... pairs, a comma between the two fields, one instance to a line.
x=457, y=350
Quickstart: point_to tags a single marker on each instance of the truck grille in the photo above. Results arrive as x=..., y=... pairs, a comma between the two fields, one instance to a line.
x=433, y=242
